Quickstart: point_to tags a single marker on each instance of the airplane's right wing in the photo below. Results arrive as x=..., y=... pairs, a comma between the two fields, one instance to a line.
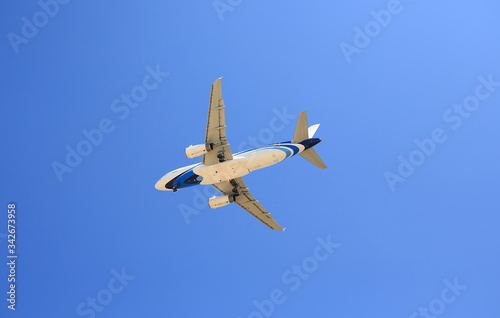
x=247, y=201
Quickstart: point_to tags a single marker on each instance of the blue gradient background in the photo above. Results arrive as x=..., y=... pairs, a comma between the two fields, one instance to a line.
x=396, y=248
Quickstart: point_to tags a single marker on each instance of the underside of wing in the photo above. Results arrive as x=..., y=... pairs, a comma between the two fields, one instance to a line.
x=216, y=128
x=245, y=200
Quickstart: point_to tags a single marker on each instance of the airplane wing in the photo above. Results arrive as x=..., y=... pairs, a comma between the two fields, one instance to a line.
x=247, y=201
x=216, y=128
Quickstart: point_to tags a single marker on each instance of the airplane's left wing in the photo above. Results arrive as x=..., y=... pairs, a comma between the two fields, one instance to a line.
x=247, y=201
x=216, y=128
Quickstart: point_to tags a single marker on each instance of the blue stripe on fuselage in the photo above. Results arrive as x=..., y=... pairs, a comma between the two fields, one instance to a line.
x=293, y=152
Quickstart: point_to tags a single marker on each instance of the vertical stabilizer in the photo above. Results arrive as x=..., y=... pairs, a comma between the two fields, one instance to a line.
x=301, y=130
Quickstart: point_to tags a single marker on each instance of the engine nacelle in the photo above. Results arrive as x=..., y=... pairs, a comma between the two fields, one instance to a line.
x=217, y=202
x=198, y=150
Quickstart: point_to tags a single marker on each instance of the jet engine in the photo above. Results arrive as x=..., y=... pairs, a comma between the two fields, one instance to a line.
x=217, y=202
x=198, y=150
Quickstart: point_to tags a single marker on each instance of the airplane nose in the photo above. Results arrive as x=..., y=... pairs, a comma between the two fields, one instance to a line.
x=160, y=184
x=166, y=179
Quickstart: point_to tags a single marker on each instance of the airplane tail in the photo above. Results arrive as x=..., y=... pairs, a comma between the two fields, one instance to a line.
x=302, y=132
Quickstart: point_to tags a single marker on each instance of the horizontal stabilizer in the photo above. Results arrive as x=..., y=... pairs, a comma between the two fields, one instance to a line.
x=312, y=156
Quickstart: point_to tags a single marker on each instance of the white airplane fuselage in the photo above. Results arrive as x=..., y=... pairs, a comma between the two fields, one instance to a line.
x=242, y=164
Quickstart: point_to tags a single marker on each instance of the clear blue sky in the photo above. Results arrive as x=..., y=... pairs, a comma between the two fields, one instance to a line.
x=403, y=223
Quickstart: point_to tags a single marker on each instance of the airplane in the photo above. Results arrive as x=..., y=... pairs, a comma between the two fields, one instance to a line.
x=224, y=170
